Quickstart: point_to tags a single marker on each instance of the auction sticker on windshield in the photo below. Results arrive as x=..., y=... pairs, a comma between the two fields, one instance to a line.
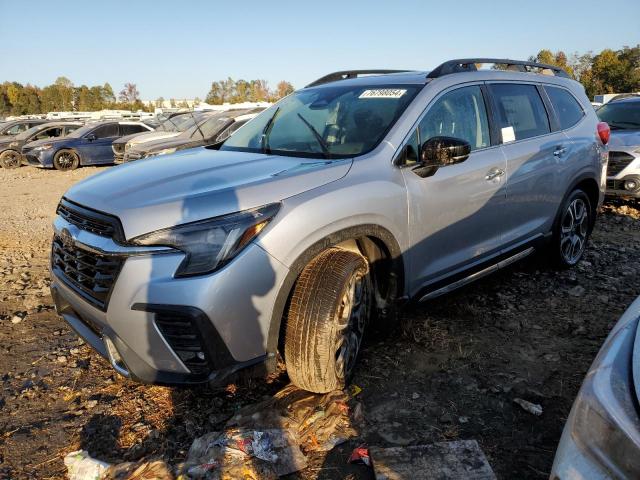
x=383, y=93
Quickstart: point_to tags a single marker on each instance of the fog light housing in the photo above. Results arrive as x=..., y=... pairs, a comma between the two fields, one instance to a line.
x=631, y=184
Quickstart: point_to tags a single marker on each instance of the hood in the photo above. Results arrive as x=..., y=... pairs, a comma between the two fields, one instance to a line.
x=624, y=139
x=6, y=138
x=151, y=136
x=53, y=140
x=175, y=142
x=193, y=185
x=126, y=138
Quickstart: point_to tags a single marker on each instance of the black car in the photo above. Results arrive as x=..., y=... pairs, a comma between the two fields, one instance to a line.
x=212, y=129
x=10, y=150
x=12, y=128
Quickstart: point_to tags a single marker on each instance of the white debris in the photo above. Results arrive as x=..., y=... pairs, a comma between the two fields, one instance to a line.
x=81, y=466
x=532, y=408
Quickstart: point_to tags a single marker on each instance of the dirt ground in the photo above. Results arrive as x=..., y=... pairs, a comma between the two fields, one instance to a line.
x=450, y=370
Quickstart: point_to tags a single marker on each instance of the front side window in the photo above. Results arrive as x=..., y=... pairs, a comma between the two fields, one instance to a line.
x=48, y=133
x=106, y=131
x=131, y=129
x=16, y=129
x=459, y=114
x=520, y=108
x=325, y=122
x=567, y=108
x=621, y=115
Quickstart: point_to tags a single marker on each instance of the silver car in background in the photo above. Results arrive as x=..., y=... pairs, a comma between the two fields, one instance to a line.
x=601, y=438
x=345, y=199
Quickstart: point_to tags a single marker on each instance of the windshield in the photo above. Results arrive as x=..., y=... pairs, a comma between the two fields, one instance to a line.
x=621, y=115
x=179, y=123
x=325, y=122
x=27, y=133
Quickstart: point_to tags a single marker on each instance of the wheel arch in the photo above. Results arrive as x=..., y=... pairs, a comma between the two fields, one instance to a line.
x=71, y=149
x=589, y=185
x=376, y=243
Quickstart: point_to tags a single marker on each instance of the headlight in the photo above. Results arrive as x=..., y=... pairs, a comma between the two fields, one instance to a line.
x=603, y=418
x=166, y=151
x=43, y=147
x=13, y=144
x=210, y=244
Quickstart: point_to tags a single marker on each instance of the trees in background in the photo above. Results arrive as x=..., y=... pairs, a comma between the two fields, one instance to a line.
x=238, y=91
x=610, y=71
x=63, y=96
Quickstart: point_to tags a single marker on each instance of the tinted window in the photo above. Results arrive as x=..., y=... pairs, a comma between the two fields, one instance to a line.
x=48, y=133
x=460, y=114
x=106, y=131
x=567, y=108
x=621, y=115
x=131, y=129
x=520, y=107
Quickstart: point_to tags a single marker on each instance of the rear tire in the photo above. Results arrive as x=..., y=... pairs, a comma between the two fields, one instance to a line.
x=65, y=160
x=10, y=159
x=329, y=308
x=572, y=230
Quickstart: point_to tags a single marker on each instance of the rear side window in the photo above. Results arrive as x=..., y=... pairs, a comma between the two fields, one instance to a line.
x=106, y=131
x=131, y=129
x=566, y=106
x=520, y=107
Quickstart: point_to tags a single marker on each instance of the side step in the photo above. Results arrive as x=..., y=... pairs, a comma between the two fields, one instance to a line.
x=477, y=275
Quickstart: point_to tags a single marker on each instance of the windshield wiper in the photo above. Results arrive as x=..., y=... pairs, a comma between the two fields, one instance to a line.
x=264, y=140
x=321, y=142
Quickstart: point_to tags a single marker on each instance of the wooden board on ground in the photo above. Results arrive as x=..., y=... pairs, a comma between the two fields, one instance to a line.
x=447, y=460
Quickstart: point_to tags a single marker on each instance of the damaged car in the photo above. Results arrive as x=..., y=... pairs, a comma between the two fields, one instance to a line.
x=88, y=145
x=623, y=173
x=11, y=154
x=340, y=203
x=212, y=129
x=601, y=439
x=12, y=128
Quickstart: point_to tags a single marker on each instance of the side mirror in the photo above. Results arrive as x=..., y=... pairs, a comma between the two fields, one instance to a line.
x=440, y=152
x=91, y=137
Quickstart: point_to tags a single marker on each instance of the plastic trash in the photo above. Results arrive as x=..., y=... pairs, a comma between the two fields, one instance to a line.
x=81, y=466
x=532, y=408
x=360, y=455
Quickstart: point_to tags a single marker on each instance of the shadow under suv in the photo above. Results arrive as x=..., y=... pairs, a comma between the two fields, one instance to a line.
x=362, y=191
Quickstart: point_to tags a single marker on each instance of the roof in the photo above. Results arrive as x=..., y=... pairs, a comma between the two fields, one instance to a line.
x=634, y=98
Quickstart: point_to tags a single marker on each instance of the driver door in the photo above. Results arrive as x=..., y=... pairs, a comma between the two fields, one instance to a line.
x=97, y=149
x=454, y=213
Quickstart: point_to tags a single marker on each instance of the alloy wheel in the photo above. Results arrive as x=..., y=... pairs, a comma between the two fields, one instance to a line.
x=574, y=231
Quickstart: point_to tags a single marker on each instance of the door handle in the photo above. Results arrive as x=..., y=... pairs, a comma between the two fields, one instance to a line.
x=494, y=173
x=558, y=152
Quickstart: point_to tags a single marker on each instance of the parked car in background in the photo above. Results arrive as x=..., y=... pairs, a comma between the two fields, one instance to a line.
x=211, y=130
x=172, y=127
x=88, y=145
x=601, y=439
x=330, y=208
x=11, y=150
x=167, y=126
x=623, y=172
x=14, y=127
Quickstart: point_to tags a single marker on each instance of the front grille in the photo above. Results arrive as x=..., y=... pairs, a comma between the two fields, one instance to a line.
x=618, y=161
x=89, y=220
x=90, y=274
x=185, y=339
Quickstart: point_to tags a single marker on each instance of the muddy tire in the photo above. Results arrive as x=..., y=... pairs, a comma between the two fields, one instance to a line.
x=572, y=230
x=329, y=309
x=10, y=159
x=66, y=160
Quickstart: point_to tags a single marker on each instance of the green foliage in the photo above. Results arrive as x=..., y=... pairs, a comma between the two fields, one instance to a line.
x=63, y=96
x=238, y=91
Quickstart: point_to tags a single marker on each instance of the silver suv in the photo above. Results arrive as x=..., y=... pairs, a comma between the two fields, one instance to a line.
x=347, y=198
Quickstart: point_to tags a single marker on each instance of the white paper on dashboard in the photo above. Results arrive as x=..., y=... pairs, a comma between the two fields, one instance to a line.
x=508, y=135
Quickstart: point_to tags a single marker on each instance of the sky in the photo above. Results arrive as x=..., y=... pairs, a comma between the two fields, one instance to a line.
x=175, y=49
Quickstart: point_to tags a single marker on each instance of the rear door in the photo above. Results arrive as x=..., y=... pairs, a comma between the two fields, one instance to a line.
x=455, y=214
x=98, y=150
x=533, y=153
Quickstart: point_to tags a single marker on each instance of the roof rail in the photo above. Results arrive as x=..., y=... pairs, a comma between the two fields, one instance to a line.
x=343, y=75
x=469, y=65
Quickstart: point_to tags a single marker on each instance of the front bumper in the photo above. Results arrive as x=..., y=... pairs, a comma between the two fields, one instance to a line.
x=38, y=158
x=601, y=439
x=228, y=312
x=616, y=187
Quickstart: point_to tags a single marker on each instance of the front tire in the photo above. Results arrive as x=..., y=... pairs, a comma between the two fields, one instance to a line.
x=10, y=159
x=65, y=160
x=329, y=309
x=572, y=230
